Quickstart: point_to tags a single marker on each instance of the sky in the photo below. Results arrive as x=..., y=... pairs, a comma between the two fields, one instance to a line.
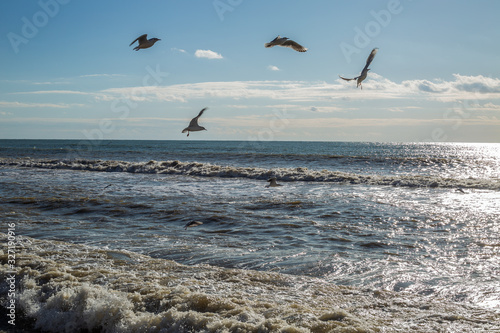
x=67, y=70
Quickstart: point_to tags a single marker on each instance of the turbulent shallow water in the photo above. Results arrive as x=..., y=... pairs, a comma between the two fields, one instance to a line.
x=360, y=236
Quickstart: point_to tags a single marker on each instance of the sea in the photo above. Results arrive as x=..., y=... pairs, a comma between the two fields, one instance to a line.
x=359, y=237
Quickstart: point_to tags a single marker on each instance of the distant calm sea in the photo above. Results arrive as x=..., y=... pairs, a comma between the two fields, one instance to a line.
x=360, y=237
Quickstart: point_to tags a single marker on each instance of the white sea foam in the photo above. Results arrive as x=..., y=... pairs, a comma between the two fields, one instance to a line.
x=68, y=288
x=283, y=174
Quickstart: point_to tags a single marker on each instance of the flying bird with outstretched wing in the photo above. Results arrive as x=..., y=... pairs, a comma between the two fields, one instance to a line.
x=364, y=72
x=286, y=42
x=144, y=42
x=193, y=124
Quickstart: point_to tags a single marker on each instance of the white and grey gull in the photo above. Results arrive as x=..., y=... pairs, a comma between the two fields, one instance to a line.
x=364, y=72
x=286, y=42
x=193, y=125
x=144, y=42
x=272, y=182
x=192, y=224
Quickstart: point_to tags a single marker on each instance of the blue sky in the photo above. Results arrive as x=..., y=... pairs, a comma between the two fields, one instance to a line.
x=68, y=71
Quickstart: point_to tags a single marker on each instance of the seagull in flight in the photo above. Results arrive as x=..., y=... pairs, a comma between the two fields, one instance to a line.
x=193, y=125
x=365, y=70
x=272, y=182
x=286, y=42
x=144, y=42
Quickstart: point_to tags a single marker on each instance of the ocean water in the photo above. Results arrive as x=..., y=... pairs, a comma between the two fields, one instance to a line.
x=360, y=237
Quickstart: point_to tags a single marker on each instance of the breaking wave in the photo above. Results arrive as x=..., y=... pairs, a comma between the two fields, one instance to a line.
x=175, y=167
x=64, y=287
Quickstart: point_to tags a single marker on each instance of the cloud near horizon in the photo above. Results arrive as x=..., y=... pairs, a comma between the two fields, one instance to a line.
x=36, y=105
x=474, y=92
x=375, y=88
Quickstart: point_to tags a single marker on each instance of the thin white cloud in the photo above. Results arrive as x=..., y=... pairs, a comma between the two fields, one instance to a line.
x=178, y=50
x=285, y=106
x=207, y=54
x=307, y=108
x=376, y=87
x=483, y=107
x=290, y=122
x=273, y=68
x=102, y=75
x=326, y=109
x=279, y=90
x=491, y=106
x=395, y=109
x=241, y=106
x=50, y=83
x=47, y=92
x=35, y=82
x=38, y=120
x=36, y=105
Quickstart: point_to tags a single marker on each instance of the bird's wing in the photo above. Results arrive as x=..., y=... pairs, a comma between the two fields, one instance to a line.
x=272, y=43
x=140, y=39
x=370, y=58
x=343, y=78
x=294, y=45
x=194, y=121
x=201, y=112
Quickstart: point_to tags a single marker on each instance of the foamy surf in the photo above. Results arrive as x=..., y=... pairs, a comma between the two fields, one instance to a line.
x=283, y=174
x=62, y=287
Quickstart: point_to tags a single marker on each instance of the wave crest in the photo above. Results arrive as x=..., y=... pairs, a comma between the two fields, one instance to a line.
x=198, y=169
